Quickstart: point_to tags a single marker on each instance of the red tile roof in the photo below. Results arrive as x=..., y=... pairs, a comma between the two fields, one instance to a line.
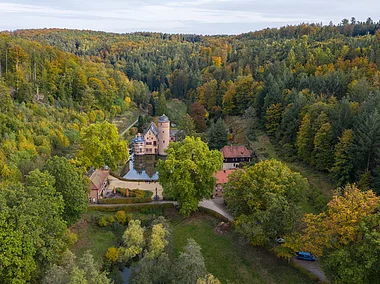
x=98, y=178
x=222, y=176
x=236, y=152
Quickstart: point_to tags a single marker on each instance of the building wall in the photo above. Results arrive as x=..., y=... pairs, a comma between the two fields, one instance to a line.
x=139, y=148
x=151, y=143
x=163, y=137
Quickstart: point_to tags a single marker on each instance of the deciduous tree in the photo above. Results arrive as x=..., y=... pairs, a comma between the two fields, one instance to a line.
x=264, y=200
x=187, y=172
x=70, y=183
x=338, y=226
x=102, y=146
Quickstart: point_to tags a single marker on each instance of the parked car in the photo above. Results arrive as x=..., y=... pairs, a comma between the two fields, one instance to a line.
x=305, y=256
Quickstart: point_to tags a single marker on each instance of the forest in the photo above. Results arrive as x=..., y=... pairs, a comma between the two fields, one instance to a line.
x=313, y=89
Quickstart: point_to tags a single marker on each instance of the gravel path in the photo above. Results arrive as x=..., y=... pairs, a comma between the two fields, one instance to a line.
x=114, y=182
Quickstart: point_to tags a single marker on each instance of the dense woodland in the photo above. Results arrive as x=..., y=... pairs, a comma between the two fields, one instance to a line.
x=314, y=89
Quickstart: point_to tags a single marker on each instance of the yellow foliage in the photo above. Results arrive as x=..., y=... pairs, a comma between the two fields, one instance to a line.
x=5, y=171
x=25, y=144
x=92, y=116
x=112, y=254
x=121, y=216
x=217, y=61
x=338, y=226
x=127, y=102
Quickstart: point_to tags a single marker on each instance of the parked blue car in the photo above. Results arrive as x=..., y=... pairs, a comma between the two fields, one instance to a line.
x=305, y=256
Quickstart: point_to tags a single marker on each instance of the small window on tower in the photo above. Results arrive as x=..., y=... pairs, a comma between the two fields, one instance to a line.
x=163, y=131
x=163, y=142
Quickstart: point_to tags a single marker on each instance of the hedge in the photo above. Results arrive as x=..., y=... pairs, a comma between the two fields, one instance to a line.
x=133, y=208
x=124, y=200
x=138, y=193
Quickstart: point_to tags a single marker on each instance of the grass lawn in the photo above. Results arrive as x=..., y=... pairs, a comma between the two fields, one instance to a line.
x=92, y=237
x=176, y=110
x=226, y=256
x=231, y=259
x=98, y=239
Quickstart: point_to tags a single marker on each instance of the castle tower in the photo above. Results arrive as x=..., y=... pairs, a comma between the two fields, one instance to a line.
x=163, y=134
x=139, y=145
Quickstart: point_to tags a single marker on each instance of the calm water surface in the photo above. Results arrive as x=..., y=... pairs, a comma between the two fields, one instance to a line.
x=141, y=168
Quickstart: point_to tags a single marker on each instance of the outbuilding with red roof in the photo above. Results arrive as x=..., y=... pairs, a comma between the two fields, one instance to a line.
x=236, y=154
x=99, y=180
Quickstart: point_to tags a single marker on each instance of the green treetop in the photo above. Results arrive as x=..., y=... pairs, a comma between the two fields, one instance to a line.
x=70, y=183
x=265, y=200
x=101, y=146
x=187, y=173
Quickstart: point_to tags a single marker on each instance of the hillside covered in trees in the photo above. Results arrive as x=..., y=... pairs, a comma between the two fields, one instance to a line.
x=314, y=89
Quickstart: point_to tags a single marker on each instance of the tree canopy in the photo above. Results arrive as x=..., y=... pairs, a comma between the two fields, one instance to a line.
x=70, y=183
x=187, y=172
x=102, y=146
x=265, y=200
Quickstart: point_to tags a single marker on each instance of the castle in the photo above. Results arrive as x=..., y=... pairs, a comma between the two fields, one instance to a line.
x=155, y=139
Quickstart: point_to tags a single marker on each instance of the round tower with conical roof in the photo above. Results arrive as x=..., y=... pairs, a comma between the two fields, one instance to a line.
x=163, y=134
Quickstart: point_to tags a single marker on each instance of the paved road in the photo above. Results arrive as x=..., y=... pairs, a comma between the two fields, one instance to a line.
x=313, y=266
x=218, y=206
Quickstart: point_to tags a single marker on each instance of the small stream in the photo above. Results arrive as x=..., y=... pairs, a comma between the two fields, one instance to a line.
x=125, y=274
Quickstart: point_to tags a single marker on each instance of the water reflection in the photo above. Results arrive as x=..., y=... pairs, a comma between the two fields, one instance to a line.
x=141, y=168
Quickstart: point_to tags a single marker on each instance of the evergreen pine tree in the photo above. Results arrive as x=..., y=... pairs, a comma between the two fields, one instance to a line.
x=305, y=140
x=217, y=135
x=342, y=170
x=323, y=154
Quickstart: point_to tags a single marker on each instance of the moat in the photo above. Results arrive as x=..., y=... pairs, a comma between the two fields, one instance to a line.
x=141, y=167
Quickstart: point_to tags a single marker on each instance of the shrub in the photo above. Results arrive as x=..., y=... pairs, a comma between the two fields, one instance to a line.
x=121, y=216
x=129, y=217
x=112, y=254
x=136, y=193
x=103, y=222
x=72, y=238
x=121, y=190
x=110, y=219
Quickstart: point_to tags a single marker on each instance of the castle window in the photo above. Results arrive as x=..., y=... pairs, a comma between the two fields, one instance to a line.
x=163, y=131
x=163, y=142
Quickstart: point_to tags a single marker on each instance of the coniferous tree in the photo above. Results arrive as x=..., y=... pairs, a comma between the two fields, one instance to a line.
x=273, y=118
x=217, y=135
x=305, y=140
x=342, y=169
x=323, y=154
